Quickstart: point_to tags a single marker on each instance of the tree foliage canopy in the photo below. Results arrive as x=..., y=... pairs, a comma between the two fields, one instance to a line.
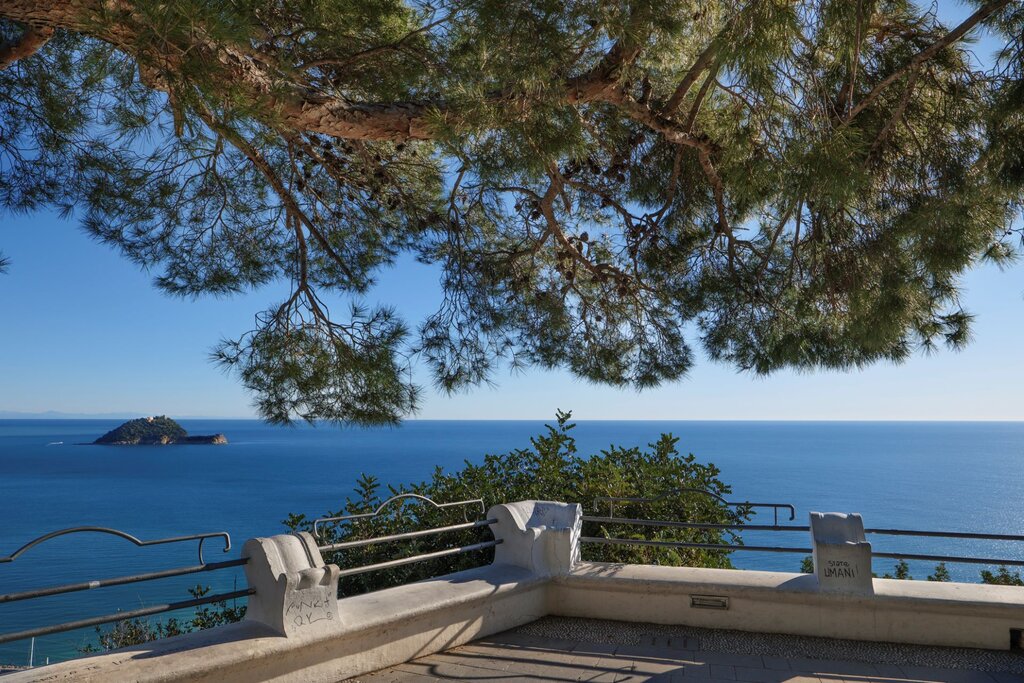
x=787, y=183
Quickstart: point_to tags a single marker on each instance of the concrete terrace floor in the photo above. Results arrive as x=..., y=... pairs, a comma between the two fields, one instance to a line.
x=557, y=649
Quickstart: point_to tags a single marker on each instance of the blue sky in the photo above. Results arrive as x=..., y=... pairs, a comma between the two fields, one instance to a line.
x=83, y=331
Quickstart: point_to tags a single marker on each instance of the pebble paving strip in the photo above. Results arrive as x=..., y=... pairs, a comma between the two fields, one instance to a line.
x=565, y=649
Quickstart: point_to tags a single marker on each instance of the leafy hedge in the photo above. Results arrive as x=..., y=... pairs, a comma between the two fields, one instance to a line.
x=550, y=469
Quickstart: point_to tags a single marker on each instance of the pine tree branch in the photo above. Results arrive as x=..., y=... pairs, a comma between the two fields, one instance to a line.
x=901, y=108
x=289, y=201
x=376, y=49
x=699, y=99
x=984, y=12
x=718, y=191
x=703, y=62
x=302, y=108
x=669, y=129
x=272, y=87
x=546, y=206
x=26, y=45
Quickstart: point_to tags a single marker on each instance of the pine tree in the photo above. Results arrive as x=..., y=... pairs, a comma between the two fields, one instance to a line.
x=1002, y=577
x=941, y=573
x=901, y=571
x=793, y=184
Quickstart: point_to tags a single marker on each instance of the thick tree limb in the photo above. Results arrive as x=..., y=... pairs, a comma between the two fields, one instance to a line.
x=400, y=121
x=274, y=90
x=670, y=130
x=304, y=109
x=699, y=99
x=26, y=45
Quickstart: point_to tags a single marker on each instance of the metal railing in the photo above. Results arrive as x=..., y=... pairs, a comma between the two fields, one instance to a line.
x=401, y=499
x=203, y=566
x=611, y=519
x=775, y=507
x=1009, y=562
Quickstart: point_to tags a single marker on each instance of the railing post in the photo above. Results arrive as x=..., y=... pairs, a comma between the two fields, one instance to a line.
x=541, y=536
x=295, y=591
x=842, y=556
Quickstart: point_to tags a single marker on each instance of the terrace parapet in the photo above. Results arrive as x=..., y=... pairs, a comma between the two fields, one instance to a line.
x=296, y=629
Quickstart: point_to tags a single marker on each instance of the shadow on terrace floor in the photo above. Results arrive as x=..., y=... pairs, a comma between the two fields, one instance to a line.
x=559, y=649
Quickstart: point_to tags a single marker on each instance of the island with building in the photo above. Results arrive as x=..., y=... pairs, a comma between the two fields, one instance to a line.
x=154, y=431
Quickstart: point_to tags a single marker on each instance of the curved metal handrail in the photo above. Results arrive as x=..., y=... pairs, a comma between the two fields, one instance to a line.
x=389, y=501
x=611, y=500
x=121, y=534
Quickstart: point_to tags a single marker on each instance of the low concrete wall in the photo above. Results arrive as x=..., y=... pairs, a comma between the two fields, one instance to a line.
x=918, y=612
x=374, y=631
x=295, y=630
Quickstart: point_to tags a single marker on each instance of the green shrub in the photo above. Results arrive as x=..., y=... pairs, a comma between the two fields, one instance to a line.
x=941, y=573
x=138, y=631
x=550, y=469
x=1002, y=577
x=901, y=572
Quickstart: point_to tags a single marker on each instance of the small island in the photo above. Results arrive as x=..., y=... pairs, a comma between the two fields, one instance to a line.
x=154, y=431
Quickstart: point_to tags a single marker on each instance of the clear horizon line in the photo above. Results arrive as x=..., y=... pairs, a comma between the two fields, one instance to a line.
x=42, y=415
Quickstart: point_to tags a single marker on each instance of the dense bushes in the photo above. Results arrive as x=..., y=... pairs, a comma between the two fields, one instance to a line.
x=1002, y=577
x=137, y=631
x=550, y=469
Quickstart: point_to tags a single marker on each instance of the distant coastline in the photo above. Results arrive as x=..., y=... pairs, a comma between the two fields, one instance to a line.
x=58, y=415
x=120, y=417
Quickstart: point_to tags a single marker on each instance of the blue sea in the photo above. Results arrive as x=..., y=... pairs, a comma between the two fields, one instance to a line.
x=929, y=476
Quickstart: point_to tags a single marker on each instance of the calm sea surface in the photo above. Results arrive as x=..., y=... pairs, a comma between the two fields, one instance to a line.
x=942, y=476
